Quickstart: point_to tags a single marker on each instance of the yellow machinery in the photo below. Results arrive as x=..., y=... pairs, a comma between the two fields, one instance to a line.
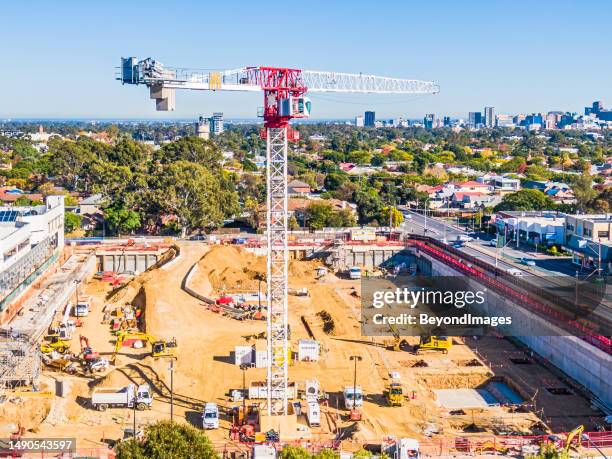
x=159, y=347
x=577, y=432
x=54, y=343
x=434, y=343
x=394, y=394
x=398, y=344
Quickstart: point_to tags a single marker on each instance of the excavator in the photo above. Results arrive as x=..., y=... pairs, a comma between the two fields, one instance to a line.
x=434, y=343
x=398, y=344
x=159, y=347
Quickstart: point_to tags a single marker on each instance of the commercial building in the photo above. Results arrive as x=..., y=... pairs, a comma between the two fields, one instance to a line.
x=369, y=119
x=475, y=120
x=359, y=121
x=598, y=110
x=532, y=227
x=489, y=115
x=504, y=121
x=429, y=121
x=31, y=239
x=216, y=123
x=202, y=127
x=589, y=239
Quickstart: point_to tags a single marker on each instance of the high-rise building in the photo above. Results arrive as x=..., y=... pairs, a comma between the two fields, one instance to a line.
x=489, y=115
x=598, y=110
x=216, y=123
x=359, y=121
x=429, y=121
x=370, y=119
x=475, y=119
x=202, y=127
x=447, y=121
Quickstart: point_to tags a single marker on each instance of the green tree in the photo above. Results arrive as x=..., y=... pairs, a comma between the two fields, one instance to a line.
x=121, y=220
x=318, y=214
x=192, y=193
x=22, y=201
x=72, y=222
x=391, y=215
x=168, y=440
x=294, y=452
x=526, y=200
x=583, y=191
x=193, y=149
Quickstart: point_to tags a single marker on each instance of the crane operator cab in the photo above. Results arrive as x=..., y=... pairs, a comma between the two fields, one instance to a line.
x=295, y=107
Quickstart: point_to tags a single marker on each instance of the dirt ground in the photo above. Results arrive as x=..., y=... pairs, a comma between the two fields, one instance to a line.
x=204, y=370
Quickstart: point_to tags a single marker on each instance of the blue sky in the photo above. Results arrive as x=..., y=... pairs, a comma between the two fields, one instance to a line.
x=58, y=57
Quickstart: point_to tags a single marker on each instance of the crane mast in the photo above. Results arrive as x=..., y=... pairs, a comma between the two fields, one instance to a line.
x=284, y=100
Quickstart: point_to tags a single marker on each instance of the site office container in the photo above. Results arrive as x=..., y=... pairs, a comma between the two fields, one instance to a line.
x=308, y=350
x=243, y=355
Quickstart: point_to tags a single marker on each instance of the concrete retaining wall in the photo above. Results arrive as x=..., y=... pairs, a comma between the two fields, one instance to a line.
x=584, y=363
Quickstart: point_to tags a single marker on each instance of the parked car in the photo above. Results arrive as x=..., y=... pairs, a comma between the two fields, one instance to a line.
x=527, y=262
x=210, y=416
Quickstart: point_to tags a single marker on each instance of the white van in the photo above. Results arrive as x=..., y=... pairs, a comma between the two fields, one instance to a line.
x=210, y=416
x=355, y=272
x=514, y=272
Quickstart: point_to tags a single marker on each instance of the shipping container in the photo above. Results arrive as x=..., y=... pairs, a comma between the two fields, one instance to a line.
x=259, y=390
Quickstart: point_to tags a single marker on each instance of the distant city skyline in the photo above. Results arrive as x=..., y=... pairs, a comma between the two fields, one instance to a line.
x=61, y=56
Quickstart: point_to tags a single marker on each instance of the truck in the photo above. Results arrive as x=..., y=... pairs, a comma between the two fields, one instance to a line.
x=81, y=308
x=404, y=448
x=353, y=397
x=129, y=396
x=210, y=416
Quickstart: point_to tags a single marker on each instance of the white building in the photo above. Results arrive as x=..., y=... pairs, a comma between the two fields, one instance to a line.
x=29, y=237
x=359, y=121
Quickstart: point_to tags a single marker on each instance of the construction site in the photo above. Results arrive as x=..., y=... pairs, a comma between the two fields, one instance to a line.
x=262, y=342
x=182, y=329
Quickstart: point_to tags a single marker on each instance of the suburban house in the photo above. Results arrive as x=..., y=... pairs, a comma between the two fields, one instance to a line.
x=297, y=187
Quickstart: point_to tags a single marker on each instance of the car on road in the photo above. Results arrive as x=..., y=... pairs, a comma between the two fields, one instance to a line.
x=527, y=262
x=458, y=245
x=493, y=242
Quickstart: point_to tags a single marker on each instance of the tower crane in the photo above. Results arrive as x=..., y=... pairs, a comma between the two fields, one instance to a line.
x=284, y=92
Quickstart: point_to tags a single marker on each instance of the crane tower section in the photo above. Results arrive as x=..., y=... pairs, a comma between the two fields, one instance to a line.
x=284, y=99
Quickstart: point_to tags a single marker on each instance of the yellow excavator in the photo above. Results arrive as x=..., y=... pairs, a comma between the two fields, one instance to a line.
x=434, y=343
x=159, y=347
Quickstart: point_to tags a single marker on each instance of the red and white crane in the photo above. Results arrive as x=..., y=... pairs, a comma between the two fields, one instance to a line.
x=284, y=99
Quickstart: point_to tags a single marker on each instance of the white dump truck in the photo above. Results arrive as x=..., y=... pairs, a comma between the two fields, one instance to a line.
x=127, y=396
x=353, y=397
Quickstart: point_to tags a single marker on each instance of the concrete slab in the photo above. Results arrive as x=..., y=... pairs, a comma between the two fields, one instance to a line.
x=455, y=399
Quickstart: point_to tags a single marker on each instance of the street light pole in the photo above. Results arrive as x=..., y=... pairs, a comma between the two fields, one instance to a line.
x=355, y=359
x=425, y=212
x=171, y=389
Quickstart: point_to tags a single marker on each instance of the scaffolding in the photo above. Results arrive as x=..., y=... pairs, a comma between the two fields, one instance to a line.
x=20, y=359
x=19, y=272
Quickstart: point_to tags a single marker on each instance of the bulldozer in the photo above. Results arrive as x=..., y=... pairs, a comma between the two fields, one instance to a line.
x=434, y=343
x=394, y=394
x=159, y=347
x=54, y=343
